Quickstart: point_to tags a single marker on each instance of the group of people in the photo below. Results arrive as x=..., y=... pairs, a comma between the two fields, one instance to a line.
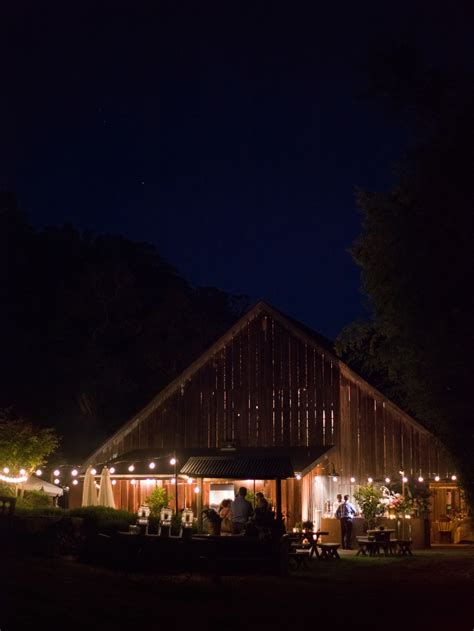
x=238, y=514
x=344, y=511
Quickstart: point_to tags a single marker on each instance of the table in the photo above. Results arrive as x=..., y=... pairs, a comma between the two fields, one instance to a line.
x=381, y=539
x=312, y=538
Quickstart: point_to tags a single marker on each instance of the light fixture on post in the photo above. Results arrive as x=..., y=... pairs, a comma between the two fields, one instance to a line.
x=174, y=463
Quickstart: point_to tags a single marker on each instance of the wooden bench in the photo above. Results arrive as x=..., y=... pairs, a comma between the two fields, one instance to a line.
x=404, y=547
x=367, y=546
x=300, y=558
x=329, y=550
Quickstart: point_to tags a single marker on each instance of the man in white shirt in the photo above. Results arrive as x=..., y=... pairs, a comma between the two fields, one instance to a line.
x=241, y=511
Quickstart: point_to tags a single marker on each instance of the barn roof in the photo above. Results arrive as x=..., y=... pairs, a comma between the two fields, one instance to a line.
x=299, y=329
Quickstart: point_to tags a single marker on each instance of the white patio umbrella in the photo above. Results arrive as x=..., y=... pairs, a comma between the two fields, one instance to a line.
x=89, y=492
x=106, y=494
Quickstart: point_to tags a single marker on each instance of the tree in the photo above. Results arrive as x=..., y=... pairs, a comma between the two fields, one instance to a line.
x=23, y=447
x=93, y=326
x=415, y=252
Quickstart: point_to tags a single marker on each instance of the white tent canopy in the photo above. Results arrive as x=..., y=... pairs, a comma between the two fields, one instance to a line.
x=36, y=484
x=106, y=494
x=89, y=492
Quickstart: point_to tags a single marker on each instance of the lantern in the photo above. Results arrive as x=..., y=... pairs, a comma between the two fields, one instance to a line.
x=142, y=521
x=166, y=515
x=187, y=518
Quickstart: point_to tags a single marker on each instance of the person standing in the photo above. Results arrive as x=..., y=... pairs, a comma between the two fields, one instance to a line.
x=345, y=513
x=241, y=511
x=337, y=503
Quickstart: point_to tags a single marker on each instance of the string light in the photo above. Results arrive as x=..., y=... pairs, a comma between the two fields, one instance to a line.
x=173, y=480
x=420, y=479
x=453, y=477
x=334, y=478
x=370, y=480
x=152, y=465
x=6, y=470
x=387, y=480
x=353, y=480
x=13, y=480
x=298, y=476
x=190, y=480
x=56, y=480
x=196, y=489
x=75, y=482
x=131, y=468
x=173, y=461
x=404, y=479
x=22, y=472
x=436, y=478
x=56, y=472
x=74, y=472
x=112, y=469
x=133, y=481
x=38, y=472
x=94, y=471
x=114, y=482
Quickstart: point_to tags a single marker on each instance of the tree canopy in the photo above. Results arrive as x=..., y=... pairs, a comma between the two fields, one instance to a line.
x=93, y=326
x=23, y=446
x=415, y=253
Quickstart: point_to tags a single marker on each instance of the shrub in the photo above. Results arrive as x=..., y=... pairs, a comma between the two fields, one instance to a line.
x=157, y=500
x=34, y=499
x=7, y=490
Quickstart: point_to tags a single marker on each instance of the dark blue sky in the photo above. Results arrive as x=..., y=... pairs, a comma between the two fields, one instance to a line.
x=232, y=138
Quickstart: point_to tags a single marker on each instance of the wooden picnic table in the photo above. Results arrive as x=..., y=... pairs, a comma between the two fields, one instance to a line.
x=297, y=542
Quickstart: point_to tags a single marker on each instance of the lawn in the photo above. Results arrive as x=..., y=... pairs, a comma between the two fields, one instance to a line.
x=433, y=589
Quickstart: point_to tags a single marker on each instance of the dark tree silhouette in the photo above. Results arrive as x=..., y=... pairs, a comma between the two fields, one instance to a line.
x=415, y=252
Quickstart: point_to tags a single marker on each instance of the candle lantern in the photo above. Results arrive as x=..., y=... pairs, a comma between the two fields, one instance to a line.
x=166, y=515
x=143, y=519
x=187, y=522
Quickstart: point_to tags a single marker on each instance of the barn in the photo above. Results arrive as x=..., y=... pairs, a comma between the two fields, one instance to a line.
x=271, y=407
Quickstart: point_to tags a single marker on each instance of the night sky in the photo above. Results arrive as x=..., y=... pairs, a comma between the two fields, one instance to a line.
x=230, y=135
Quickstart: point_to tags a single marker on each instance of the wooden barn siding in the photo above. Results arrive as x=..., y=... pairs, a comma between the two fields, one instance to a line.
x=265, y=388
x=376, y=440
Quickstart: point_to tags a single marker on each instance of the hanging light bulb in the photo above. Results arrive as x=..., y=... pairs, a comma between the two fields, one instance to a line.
x=298, y=476
x=133, y=482
x=404, y=479
x=152, y=465
x=190, y=480
x=370, y=480
x=353, y=480
x=114, y=482
x=196, y=489
x=173, y=480
x=56, y=472
x=387, y=480
x=22, y=472
x=38, y=472
x=453, y=477
x=75, y=482
x=56, y=481
x=131, y=468
x=112, y=469
x=420, y=479
x=436, y=478
x=94, y=471
x=74, y=472
x=173, y=461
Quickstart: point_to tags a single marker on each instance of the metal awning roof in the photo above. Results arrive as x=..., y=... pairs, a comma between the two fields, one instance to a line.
x=239, y=467
x=254, y=464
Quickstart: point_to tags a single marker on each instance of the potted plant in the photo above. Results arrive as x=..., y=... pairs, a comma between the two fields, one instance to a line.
x=369, y=500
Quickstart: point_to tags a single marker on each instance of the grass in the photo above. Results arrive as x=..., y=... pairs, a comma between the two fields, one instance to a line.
x=433, y=589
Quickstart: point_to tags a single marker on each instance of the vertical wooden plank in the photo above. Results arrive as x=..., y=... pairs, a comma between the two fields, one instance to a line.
x=277, y=368
x=319, y=397
x=293, y=377
x=311, y=397
x=285, y=388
